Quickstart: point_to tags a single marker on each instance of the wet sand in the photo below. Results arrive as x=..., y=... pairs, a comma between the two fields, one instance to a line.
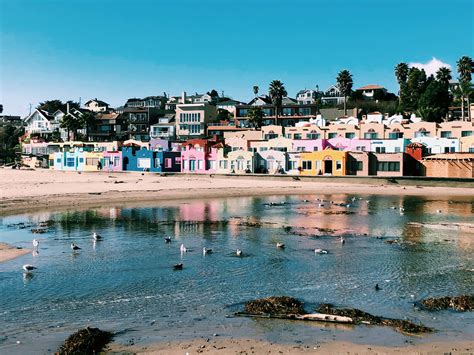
x=30, y=190
x=249, y=346
x=8, y=252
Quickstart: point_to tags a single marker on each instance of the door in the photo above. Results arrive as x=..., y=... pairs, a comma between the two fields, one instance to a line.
x=328, y=166
x=192, y=165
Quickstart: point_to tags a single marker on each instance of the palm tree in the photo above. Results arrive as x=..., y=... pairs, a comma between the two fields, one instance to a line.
x=443, y=75
x=401, y=72
x=255, y=116
x=87, y=120
x=463, y=92
x=255, y=90
x=277, y=91
x=465, y=66
x=344, y=84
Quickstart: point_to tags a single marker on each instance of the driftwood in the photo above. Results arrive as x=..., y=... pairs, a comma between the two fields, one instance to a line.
x=318, y=317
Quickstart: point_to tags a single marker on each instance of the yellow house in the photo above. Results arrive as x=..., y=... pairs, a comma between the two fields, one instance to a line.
x=91, y=160
x=323, y=162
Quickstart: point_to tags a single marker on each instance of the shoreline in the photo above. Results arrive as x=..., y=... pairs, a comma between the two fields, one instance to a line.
x=33, y=189
x=9, y=252
x=252, y=346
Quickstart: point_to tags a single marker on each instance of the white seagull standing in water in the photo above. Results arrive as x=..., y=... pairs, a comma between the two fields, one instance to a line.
x=36, y=244
x=281, y=245
x=28, y=268
x=74, y=247
x=320, y=251
x=238, y=252
x=183, y=249
x=343, y=241
x=96, y=236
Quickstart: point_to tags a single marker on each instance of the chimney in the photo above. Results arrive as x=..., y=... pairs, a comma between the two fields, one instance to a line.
x=183, y=97
x=67, y=108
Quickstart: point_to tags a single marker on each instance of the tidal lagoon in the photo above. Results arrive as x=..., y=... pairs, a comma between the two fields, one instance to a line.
x=412, y=247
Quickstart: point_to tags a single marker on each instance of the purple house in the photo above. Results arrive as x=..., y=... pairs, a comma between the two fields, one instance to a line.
x=349, y=145
x=112, y=161
x=308, y=145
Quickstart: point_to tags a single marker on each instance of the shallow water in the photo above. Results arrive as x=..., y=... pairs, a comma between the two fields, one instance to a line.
x=126, y=283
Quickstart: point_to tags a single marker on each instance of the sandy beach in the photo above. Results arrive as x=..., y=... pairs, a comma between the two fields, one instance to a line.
x=8, y=252
x=29, y=190
x=249, y=346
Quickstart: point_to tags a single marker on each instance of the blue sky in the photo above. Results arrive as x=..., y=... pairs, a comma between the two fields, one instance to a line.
x=116, y=49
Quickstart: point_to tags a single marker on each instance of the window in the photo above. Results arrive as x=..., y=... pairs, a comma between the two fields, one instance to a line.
x=297, y=136
x=395, y=134
x=388, y=166
x=200, y=165
x=263, y=149
x=422, y=133
x=307, y=164
x=370, y=134
x=157, y=162
x=379, y=149
x=178, y=160
x=211, y=164
x=222, y=164
x=116, y=161
x=350, y=135
x=304, y=111
x=185, y=164
x=58, y=160
x=338, y=165
x=92, y=161
x=466, y=133
x=300, y=149
x=81, y=160
x=144, y=163
x=445, y=134
x=449, y=149
x=168, y=162
x=357, y=165
x=332, y=135
x=51, y=162
x=471, y=149
x=313, y=135
x=397, y=149
x=292, y=165
x=360, y=148
x=249, y=165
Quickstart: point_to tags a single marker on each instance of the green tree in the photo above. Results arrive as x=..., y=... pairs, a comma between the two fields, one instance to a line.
x=87, y=120
x=223, y=115
x=1, y=108
x=344, y=84
x=70, y=123
x=415, y=86
x=255, y=90
x=443, y=75
x=465, y=67
x=9, y=143
x=255, y=116
x=462, y=92
x=401, y=72
x=434, y=102
x=277, y=92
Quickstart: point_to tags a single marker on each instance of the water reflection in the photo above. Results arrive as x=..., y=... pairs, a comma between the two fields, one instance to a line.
x=127, y=278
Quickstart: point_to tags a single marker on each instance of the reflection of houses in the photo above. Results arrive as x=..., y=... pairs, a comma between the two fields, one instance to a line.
x=325, y=162
x=457, y=165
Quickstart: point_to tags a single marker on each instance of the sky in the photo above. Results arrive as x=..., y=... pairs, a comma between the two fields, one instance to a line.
x=117, y=49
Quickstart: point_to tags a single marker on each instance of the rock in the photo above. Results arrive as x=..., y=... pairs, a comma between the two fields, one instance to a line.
x=85, y=341
x=275, y=305
x=461, y=303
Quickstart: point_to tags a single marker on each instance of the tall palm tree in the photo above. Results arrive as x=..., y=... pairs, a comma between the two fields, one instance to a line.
x=465, y=66
x=344, y=84
x=255, y=116
x=443, y=75
x=401, y=72
x=277, y=91
x=255, y=90
x=463, y=91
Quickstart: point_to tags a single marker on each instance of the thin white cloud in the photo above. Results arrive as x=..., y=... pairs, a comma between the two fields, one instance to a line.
x=430, y=67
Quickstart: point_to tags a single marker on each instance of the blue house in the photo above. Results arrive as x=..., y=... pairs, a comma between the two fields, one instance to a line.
x=142, y=159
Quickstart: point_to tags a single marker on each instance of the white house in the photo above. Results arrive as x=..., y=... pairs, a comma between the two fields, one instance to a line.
x=305, y=97
x=96, y=105
x=165, y=128
x=39, y=122
x=436, y=145
x=388, y=145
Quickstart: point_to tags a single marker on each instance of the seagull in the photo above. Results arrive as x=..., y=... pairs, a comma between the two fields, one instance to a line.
x=167, y=239
x=321, y=205
x=438, y=211
x=320, y=251
x=238, y=252
x=96, y=236
x=353, y=199
x=74, y=247
x=401, y=209
x=393, y=207
x=206, y=251
x=377, y=288
x=343, y=241
x=35, y=243
x=348, y=205
x=178, y=267
x=281, y=245
x=183, y=249
x=28, y=267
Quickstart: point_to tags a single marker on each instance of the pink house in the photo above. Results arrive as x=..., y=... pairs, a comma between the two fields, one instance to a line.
x=112, y=161
x=308, y=145
x=200, y=156
x=349, y=145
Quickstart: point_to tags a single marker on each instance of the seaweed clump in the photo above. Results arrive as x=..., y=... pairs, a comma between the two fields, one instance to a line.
x=85, y=341
x=461, y=303
x=278, y=305
x=361, y=317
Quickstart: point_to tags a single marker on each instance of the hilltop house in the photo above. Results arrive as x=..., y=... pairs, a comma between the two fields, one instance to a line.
x=96, y=105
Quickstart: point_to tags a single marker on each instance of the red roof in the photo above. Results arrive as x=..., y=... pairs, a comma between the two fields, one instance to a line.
x=371, y=87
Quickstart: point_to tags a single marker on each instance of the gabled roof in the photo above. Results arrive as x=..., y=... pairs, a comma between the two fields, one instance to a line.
x=100, y=102
x=264, y=98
